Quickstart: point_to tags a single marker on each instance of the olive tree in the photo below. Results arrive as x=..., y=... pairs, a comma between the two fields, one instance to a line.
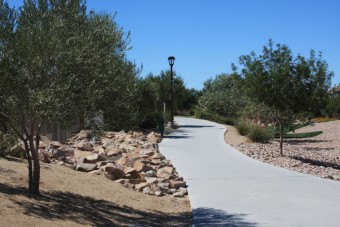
x=57, y=63
x=285, y=83
x=222, y=96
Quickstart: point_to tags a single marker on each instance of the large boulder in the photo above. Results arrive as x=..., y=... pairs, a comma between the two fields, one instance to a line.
x=94, y=158
x=139, y=187
x=98, y=149
x=131, y=173
x=113, y=151
x=113, y=172
x=141, y=167
x=126, y=147
x=83, y=134
x=84, y=146
x=180, y=193
x=81, y=154
x=147, y=152
x=165, y=172
x=177, y=184
x=55, y=144
x=85, y=167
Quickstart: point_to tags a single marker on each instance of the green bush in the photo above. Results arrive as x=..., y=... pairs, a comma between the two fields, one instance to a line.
x=259, y=134
x=9, y=145
x=151, y=121
x=243, y=128
x=214, y=117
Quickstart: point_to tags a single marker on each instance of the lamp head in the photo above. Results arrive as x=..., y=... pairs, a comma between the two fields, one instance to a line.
x=171, y=60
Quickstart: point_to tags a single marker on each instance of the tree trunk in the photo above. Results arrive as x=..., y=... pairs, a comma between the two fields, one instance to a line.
x=281, y=136
x=30, y=168
x=36, y=176
x=36, y=167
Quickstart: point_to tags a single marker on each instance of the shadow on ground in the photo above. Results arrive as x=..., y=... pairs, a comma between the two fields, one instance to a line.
x=176, y=137
x=302, y=141
x=212, y=217
x=196, y=126
x=314, y=162
x=57, y=205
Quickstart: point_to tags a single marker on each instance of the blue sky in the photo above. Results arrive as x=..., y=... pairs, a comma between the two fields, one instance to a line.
x=206, y=36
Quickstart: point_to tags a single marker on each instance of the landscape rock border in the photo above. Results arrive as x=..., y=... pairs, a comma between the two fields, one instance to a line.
x=129, y=158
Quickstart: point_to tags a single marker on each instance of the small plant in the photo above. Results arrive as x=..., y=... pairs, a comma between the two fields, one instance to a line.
x=259, y=134
x=243, y=128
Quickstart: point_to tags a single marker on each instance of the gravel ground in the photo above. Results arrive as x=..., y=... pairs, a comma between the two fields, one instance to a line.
x=318, y=156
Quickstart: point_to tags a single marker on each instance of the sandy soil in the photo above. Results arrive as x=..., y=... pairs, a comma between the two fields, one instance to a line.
x=232, y=136
x=71, y=198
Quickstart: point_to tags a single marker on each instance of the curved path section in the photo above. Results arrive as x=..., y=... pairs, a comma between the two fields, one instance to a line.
x=227, y=188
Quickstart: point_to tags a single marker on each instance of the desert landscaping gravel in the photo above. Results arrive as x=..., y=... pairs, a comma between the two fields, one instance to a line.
x=318, y=156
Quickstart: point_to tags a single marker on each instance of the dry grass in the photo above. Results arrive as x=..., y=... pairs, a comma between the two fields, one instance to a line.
x=71, y=198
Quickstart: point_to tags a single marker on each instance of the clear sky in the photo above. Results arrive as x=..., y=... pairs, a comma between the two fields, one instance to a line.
x=206, y=36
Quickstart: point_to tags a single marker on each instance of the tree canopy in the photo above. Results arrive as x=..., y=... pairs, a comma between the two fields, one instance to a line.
x=59, y=63
x=285, y=83
x=222, y=96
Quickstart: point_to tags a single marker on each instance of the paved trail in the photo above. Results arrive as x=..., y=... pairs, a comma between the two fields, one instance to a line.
x=227, y=188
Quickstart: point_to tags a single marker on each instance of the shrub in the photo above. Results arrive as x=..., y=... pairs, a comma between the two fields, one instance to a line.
x=214, y=117
x=243, y=128
x=9, y=145
x=259, y=134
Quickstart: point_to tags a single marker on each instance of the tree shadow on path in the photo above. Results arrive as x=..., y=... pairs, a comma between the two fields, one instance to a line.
x=176, y=137
x=58, y=205
x=196, y=126
x=213, y=217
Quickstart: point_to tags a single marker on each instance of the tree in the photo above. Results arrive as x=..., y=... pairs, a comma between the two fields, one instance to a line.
x=154, y=92
x=287, y=85
x=116, y=76
x=58, y=63
x=222, y=96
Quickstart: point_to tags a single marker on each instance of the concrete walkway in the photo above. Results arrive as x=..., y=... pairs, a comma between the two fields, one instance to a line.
x=227, y=188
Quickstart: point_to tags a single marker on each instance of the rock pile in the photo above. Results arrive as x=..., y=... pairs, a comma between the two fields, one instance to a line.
x=131, y=159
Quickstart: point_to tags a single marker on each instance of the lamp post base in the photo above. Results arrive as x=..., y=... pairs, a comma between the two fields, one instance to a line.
x=172, y=125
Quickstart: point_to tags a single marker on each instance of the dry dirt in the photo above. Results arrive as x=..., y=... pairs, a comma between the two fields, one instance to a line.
x=71, y=198
x=232, y=136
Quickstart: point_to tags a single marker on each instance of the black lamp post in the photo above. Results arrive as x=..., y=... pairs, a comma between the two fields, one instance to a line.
x=171, y=60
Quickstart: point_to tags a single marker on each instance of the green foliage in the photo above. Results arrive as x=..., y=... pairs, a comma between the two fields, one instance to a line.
x=7, y=145
x=258, y=113
x=332, y=108
x=253, y=131
x=58, y=63
x=214, y=117
x=286, y=84
x=243, y=128
x=259, y=134
x=288, y=128
x=291, y=128
x=154, y=91
x=222, y=96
